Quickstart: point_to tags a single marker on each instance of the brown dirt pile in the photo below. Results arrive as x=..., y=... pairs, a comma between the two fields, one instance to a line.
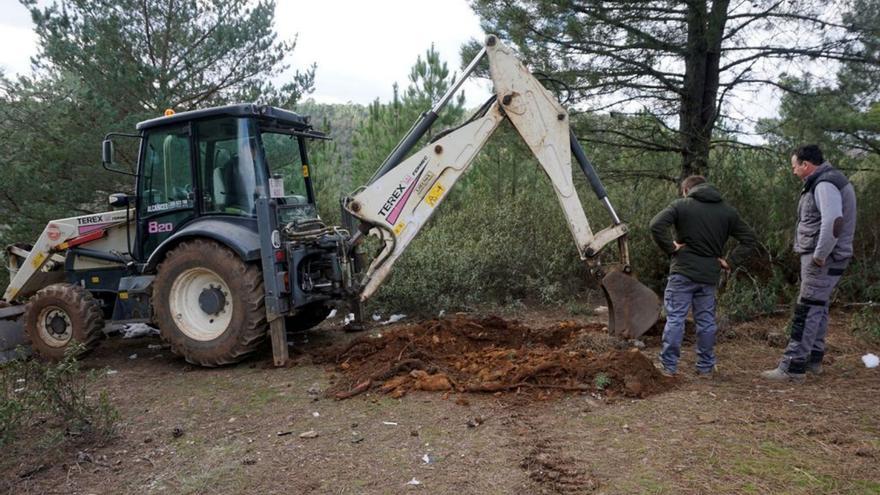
x=464, y=354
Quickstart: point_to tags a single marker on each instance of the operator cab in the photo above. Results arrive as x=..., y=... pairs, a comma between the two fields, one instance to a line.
x=216, y=163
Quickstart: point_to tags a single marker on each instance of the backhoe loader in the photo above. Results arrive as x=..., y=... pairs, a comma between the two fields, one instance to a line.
x=218, y=249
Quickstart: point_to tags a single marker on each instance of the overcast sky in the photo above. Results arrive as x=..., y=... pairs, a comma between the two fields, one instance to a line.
x=361, y=47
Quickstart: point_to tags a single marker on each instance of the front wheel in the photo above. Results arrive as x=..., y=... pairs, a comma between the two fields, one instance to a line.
x=209, y=304
x=61, y=316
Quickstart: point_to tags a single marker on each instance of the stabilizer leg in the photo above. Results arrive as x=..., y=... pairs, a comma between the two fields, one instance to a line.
x=279, y=341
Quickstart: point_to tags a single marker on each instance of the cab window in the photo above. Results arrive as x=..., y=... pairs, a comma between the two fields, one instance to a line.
x=166, y=183
x=229, y=166
x=283, y=158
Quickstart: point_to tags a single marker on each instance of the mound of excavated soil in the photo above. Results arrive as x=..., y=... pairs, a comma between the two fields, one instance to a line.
x=463, y=354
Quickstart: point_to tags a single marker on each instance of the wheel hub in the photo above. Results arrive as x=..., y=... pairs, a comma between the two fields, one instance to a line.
x=201, y=304
x=212, y=300
x=54, y=326
x=57, y=325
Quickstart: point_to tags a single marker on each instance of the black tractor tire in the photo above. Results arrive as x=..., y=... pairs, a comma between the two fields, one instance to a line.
x=58, y=316
x=309, y=316
x=230, y=333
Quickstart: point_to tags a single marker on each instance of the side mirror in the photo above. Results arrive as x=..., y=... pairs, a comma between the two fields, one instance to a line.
x=107, y=152
x=117, y=200
x=107, y=159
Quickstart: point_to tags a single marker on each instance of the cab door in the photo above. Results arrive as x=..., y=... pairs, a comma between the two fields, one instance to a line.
x=165, y=186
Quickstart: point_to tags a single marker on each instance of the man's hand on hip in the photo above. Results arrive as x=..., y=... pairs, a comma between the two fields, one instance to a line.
x=724, y=264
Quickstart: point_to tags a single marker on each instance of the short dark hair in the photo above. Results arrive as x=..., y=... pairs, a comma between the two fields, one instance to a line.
x=693, y=180
x=810, y=153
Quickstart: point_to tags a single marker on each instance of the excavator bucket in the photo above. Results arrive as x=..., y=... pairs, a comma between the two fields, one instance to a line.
x=632, y=308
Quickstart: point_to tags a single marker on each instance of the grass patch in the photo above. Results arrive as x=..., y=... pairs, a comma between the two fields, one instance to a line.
x=779, y=467
x=263, y=397
x=864, y=487
x=203, y=477
x=644, y=484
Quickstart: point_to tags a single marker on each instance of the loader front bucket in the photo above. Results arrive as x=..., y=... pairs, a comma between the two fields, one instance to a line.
x=632, y=307
x=11, y=332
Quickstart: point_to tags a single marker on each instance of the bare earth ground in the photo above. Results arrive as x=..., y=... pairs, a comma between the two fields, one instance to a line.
x=237, y=429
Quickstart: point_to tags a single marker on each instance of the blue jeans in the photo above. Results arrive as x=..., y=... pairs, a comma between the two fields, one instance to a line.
x=681, y=292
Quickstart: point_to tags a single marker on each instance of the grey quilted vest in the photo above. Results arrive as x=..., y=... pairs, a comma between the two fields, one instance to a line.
x=810, y=220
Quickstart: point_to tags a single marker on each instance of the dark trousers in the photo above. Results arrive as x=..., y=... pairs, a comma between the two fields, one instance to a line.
x=809, y=323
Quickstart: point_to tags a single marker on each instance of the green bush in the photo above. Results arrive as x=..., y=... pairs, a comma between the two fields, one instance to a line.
x=54, y=399
x=866, y=324
x=601, y=381
x=487, y=252
x=746, y=296
x=501, y=237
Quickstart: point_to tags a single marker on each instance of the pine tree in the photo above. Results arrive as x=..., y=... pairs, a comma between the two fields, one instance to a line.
x=387, y=123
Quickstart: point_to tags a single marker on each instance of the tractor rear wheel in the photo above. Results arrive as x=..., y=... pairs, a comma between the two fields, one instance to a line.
x=61, y=315
x=209, y=304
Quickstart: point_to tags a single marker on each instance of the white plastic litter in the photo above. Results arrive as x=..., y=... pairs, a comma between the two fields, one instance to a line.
x=332, y=313
x=112, y=372
x=414, y=482
x=426, y=459
x=871, y=360
x=135, y=330
x=348, y=318
x=377, y=317
x=316, y=414
x=441, y=313
x=133, y=356
x=393, y=319
x=389, y=423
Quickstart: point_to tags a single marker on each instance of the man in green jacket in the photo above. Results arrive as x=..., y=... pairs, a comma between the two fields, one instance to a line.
x=703, y=222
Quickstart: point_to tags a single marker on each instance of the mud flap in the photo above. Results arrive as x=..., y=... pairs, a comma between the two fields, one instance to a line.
x=632, y=307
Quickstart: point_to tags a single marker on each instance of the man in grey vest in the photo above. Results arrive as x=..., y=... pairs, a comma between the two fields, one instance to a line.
x=824, y=240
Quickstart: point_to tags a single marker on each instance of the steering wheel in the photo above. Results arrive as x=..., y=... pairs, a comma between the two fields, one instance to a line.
x=185, y=192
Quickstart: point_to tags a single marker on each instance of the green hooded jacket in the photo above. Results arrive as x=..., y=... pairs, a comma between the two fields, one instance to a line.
x=703, y=222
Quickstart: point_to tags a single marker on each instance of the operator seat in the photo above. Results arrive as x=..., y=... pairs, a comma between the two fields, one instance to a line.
x=229, y=192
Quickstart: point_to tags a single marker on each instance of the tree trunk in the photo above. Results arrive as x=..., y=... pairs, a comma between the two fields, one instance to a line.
x=699, y=98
